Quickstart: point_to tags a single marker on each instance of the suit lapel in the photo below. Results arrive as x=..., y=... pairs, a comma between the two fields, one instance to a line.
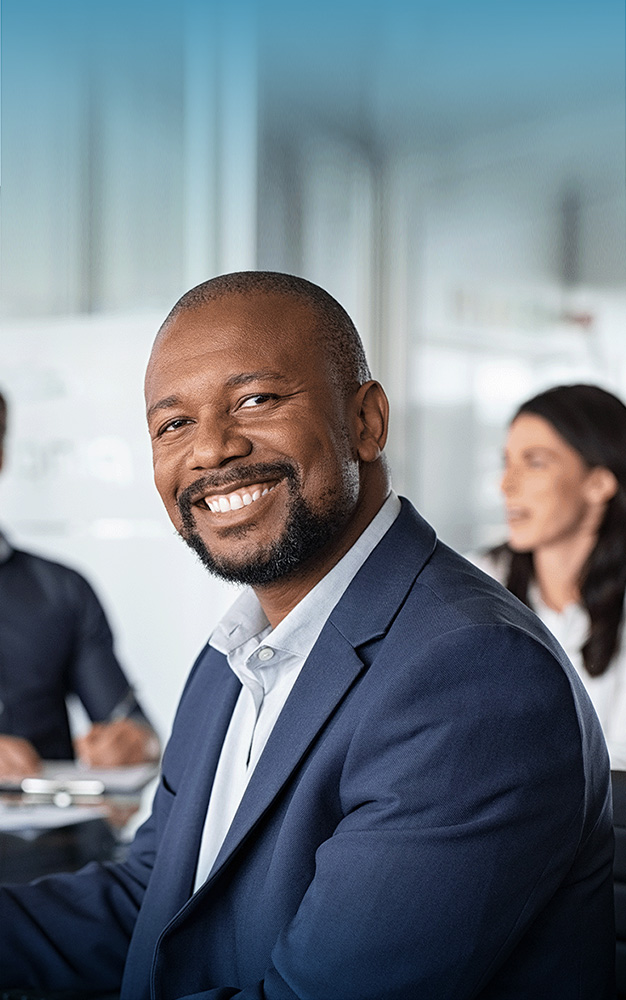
x=213, y=693
x=219, y=690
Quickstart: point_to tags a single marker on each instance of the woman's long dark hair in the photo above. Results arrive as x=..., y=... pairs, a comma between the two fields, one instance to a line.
x=593, y=422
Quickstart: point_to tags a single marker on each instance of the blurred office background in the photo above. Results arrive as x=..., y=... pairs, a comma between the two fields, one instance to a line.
x=453, y=172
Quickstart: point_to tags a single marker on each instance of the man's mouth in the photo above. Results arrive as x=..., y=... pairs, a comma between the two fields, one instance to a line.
x=235, y=500
x=235, y=490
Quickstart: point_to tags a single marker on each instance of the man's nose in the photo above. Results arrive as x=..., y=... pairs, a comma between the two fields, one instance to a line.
x=217, y=441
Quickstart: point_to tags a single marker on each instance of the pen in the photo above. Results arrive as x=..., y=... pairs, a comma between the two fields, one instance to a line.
x=124, y=708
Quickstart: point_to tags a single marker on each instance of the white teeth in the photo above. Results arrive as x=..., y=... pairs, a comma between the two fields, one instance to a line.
x=235, y=501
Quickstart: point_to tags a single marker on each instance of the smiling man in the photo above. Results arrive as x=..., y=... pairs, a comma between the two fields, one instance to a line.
x=384, y=779
x=267, y=454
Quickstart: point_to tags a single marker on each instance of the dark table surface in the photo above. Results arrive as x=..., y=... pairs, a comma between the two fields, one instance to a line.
x=27, y=855
x=64, y=849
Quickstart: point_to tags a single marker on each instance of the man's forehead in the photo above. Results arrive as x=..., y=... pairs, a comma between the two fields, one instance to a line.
x=285, y=313
x=260, y=325
x=250, y=332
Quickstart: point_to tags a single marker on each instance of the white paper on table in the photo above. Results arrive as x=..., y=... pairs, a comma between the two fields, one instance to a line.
x=130, y=778
x=59, y=775
x=35, y=816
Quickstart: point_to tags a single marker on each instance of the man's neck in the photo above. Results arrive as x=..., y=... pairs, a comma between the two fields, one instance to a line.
x=279, y=598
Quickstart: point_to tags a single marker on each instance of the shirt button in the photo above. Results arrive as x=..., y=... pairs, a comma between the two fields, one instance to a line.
x=265, y=653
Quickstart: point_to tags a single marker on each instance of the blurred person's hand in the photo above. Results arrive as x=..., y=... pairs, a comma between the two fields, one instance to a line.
x=18, y=758
x=113, y=744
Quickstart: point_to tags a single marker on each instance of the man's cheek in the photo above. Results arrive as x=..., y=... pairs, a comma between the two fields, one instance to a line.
x=166, y=490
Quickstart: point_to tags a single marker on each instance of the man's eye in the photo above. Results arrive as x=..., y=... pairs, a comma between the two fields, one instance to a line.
x=257, y=399
x=173, y=425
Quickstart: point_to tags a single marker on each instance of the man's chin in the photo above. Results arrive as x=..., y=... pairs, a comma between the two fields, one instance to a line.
x=253, y=569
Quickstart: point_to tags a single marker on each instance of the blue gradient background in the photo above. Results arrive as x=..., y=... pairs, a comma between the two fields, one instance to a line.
x=454, y=172
x=93, y=108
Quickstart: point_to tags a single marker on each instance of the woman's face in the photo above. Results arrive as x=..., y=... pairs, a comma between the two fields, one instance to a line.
x=550, y=493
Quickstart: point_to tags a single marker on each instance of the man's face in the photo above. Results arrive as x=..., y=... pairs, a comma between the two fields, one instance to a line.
x=254, y=448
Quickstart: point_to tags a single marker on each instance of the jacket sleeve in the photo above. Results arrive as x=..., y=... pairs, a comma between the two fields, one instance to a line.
x=95, y=674
x=71, y=931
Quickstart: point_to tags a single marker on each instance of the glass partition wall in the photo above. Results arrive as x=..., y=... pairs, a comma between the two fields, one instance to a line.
x=457, y=182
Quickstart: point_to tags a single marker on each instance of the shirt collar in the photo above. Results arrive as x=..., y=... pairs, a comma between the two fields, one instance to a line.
x=297, y=632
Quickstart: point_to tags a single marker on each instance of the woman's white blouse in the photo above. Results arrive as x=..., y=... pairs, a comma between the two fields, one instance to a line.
x=570, y=628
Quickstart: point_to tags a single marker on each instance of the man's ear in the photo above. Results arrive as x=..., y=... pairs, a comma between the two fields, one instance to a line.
x=601, y=485
x=372, y=412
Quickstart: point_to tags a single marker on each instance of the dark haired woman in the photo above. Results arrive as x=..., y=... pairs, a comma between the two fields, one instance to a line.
x=564, y=487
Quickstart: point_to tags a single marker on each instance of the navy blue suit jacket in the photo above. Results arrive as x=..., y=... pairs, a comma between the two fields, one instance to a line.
x=430, y=819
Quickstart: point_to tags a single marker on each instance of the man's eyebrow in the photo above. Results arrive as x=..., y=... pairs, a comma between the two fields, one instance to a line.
x=163, y=404
x=243, y=378
x=246, y=377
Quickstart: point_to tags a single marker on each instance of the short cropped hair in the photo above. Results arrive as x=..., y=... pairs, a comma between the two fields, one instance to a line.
x=337, y=334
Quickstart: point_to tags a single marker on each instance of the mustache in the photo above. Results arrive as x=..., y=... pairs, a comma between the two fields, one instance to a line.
x=233, y=477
